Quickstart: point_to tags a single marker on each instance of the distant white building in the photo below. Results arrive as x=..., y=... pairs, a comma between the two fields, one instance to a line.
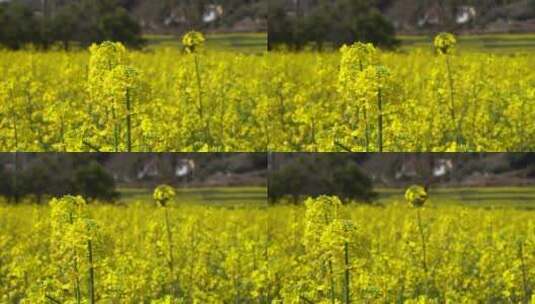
x=443, y=167
x=185, y=167
x=150, y=168
x=212, y=13
x=465, y=14
x=436, y=15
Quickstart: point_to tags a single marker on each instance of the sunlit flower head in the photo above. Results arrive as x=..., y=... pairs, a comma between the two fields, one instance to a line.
x=123, y=76
x=382, y=71
x=358, y=55
x=323, y=209
x=445, y=43
x=192, y=40
x=343, y=229
x=416, y=195
x=106, y=56
x=163, y=193
x=67, y=209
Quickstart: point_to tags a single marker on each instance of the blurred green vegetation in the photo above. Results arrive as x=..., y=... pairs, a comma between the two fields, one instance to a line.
x=230, y=196
x=499, y=43
x=477, y=197
x=488, y=197
x=242, y=42
x=489, y=43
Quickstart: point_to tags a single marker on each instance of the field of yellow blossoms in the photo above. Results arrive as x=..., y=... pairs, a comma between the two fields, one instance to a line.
x=355, y=99
x=322, y=252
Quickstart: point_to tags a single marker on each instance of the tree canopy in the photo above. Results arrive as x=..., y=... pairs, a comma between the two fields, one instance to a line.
x=312, y=175
x=82, y=22
x=54, y=175
x=321, y=23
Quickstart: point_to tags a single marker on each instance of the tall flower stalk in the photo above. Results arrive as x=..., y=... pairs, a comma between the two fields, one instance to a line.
x=162, y=195
x=192, y=42
x=105, y=59
x=525, y=277
x=363, y=80
x=382, y=74
x=124, y=80
x=416, y=196
x=328, y=239
x=445, y=46
x=74, y=235
x=347, y=280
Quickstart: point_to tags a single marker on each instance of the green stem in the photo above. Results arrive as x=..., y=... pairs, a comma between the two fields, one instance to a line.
x=51, y=299
x=366, y=131
x=424, y=253
x=527, y=292
x=14, y=116
x=199, y=98
x=15, y=131
x=77, y=293
x=380, y=120
x=62, y=133
x=115, y=132
x=170, y=245
x=523, y=127
x=333, y=298
x=452, y=103
x=91, y=287
x=346, y=274
x=128, y=121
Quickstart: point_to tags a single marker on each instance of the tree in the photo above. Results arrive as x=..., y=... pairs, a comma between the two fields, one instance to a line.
x=100, y=20
x=291, y=180
x=45, y=176
x=93, y=182
x=316, y=174
x=17, y=26
x=280, y=28
x=521, y=160
x=328, y=22
x=117, y=25
x=84, y=21
x=64, y=27
x=348, y=182
x=5, y=183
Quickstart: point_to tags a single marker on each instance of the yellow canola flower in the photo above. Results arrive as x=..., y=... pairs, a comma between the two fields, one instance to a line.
x=163, y=193
x=358, y=55
x=123, y=77
x=106, y=56
x=192, y=40
x=416, y=195
x=338, y=232
x=445, y=43
x=355, y=58
x=67, y=209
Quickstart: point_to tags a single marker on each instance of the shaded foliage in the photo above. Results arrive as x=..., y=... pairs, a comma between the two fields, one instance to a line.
x=82, y=22
x=54, y=175
x=312, y=175
x=328, y=23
